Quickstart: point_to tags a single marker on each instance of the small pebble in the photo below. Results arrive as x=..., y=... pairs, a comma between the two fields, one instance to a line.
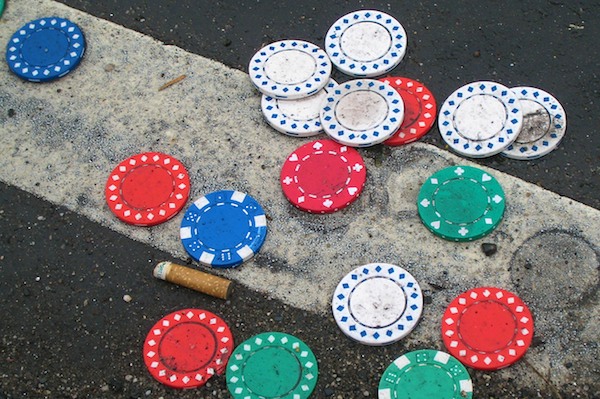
x=127, y=298
x=489, y=249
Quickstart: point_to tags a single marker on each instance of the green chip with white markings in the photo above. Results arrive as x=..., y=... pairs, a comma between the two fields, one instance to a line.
x=425, y=374
x=1, y=6
x=272, y=365
x=461, y=203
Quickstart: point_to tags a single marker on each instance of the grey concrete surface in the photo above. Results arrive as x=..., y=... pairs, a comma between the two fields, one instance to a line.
x=61, y=140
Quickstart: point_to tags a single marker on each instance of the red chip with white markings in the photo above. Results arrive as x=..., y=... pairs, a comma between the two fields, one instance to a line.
x=323, y=176
x=419, y=110
x=186, y=348
x=147, y=189
x=487, y=328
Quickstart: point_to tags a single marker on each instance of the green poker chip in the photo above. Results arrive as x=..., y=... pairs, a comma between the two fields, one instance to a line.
x=425, y=374
x=272, y=365
x=1, y=6
x=461, y=203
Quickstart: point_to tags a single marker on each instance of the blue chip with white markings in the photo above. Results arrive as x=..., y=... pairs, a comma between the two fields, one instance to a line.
x=298, y=118
x=544, y=124
x=223, y=229
x=480, y=119
x=362, y=112
x=377, y=304
x=290, y=69
x=366, y=43
x=45, y=49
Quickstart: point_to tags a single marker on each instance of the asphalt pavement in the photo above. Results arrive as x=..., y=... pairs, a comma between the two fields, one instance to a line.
x=68, y=264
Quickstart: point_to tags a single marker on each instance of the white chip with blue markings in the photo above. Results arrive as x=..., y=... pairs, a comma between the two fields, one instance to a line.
x=480, y=119
x=366, y=43
x=544, y=124
x=377, y=304
x=362, y=112
x=223, y=229
x=298, y=118
x=290, y=69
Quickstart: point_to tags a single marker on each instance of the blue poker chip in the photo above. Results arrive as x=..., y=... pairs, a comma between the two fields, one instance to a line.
x=362, y=112
x=377, y=304
x=298, y=118
x=45, y=49
x=544, y=124
x=290, y=69
x=366, y=43
x=480, y=119
x=223, y=229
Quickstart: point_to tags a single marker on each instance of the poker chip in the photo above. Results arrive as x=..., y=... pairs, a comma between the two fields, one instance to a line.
x=487, y=328
x=186, y=348
x=272, y=365
x=419, y=110
x=290, y=69
x=461, y=203
x=362, y=112
x=323, y=176
x=1, y=6
x=45, y=49
x=147, y=189
x=366, y=43
x=425, y=374
x=223, y=229
x=301, y=117
x=544, y=124
x=377, y=304
x=480, y=119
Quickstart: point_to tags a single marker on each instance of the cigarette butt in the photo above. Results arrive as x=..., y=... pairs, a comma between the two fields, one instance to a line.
x=194, y=279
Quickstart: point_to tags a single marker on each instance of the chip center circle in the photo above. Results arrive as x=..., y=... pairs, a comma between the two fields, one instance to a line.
x=480, y=117
x=323, y=175
x=487, y=326
x=412, y=107
x=226, y=226
x=147, y=187
x=187, y=347
x=361, y=110
x=290, y=67
x=461, y=201
x=304, y=109
x=45, y=47
x=425, y=380
x=536, y=122
x=272, y=372
x=377, y=302
x=365, y=41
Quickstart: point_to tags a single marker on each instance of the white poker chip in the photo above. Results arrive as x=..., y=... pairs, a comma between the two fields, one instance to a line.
x=290, y=69
x=377, y=304
x=544, y=124
x=480, y=119
x=362, y=112
x=366, y=43
x=299, y=118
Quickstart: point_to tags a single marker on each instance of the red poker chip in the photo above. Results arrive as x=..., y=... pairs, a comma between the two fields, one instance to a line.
x=487, y=328
x=419, y=110
x=323, y=176
x=147, y=189
x=186, y=348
